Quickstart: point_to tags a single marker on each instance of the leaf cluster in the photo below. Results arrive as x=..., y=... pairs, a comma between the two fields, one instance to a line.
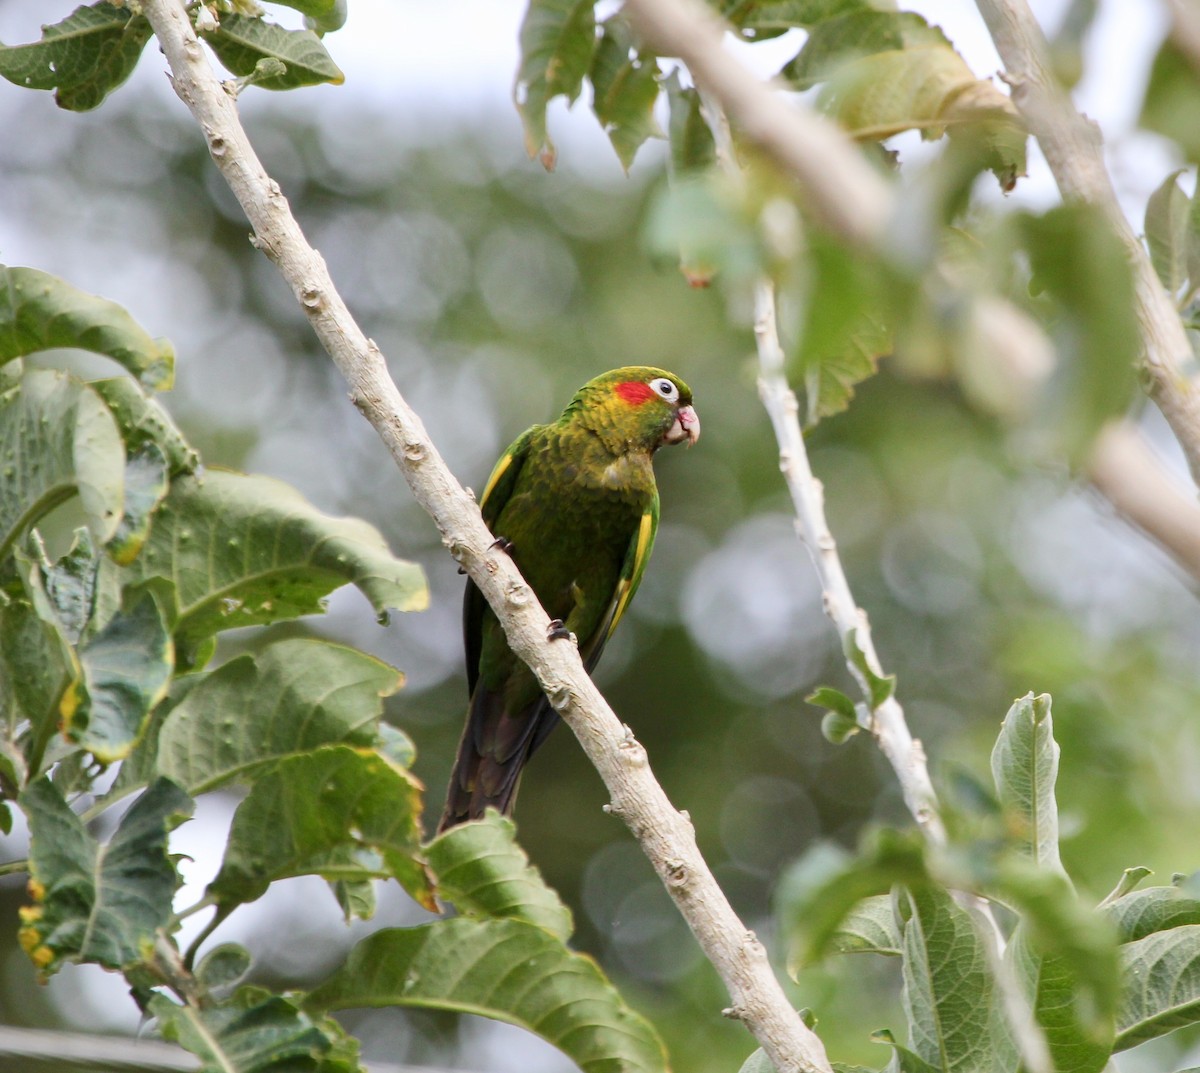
x=1026, y=319
x=91, y=52
x=1058, y=984
x=106, y=660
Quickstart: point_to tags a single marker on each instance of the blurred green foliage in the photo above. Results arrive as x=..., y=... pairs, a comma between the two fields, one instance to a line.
x=495, y=290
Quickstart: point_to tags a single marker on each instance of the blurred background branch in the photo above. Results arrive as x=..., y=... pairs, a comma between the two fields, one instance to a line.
x=1074, y=150
x=37, y=1048
x=1125, y=469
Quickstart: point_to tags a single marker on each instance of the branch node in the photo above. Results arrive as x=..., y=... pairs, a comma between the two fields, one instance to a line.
x=415, y=451
x=635, y=752
x=312, y=298
x=560, y=698
x=516, y=594
x=677, y=872
x=734, y=1013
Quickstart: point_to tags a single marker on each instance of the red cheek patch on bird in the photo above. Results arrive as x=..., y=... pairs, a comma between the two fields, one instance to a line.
x=635, y=392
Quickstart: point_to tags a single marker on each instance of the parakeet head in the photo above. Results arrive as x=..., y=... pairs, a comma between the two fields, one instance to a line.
x=643, y=406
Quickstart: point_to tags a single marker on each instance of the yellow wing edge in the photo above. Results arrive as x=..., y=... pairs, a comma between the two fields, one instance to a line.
x=500, y=469
x=626, y=586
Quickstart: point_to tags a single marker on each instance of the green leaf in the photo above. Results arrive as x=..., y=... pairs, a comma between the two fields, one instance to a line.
x=1058, y=925
x=1167, y=232
x=1172, y=99
x=1192, y=241
x=393, y=743
x=1161, y=974
x=316, y=9
x=355, y=897
x=310, y=804
x=691, y=140
x=142, y=420
x=765, y=18
x=625, y=85
x=869, y=928
x=86, y=56
x=126, y=670
x=37, y=666
x=948, y=989
x=881, y=687
x=251, y=1033
x=222, y=966
x=146, y=484
x=505, y=969
x=558, y=39
x=57, y=438
x=98, y=903
x=333, y=18
x=481, y=869
x=244, y=551
x=1130, y=878
x=1066, y=46
x=758, y=1062
x=1081, y=265
x=818, y=892
x=1050, y=987
x=839, y=38
x=71, y=585
x=241, y=42
x=840, y=721
x=39, y=311
x=1144, y=912
x=293, y=696
x=1025, y=768
x=903, y=1060
x=845, y=329
x=890, y=71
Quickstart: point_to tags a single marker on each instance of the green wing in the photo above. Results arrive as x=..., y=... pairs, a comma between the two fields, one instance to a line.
x=496, y=494
x=627, y=584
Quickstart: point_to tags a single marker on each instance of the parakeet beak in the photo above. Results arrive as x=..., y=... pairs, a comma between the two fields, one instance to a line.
x=685, y=427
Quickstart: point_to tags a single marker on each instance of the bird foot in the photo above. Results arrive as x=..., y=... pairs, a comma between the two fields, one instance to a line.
x=558, y=632
x=504, y=544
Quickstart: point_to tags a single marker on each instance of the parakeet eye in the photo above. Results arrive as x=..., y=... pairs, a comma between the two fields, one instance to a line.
x=665, y=388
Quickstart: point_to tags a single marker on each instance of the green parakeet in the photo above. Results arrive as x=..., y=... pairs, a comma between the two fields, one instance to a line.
x=576, y=506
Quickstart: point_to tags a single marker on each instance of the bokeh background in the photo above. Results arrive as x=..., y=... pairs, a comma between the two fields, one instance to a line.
x=495, y=289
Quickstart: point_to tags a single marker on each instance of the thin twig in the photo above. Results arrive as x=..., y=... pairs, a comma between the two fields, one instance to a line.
x=902, y=750
x=1074, y=150
x=666, y=835
x=888, y=724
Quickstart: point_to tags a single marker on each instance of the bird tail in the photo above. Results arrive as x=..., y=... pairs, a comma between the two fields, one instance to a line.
x=494, y=749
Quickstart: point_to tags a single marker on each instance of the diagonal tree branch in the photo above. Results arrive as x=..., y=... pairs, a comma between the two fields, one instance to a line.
x=1074, y=150
x=666, y=835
